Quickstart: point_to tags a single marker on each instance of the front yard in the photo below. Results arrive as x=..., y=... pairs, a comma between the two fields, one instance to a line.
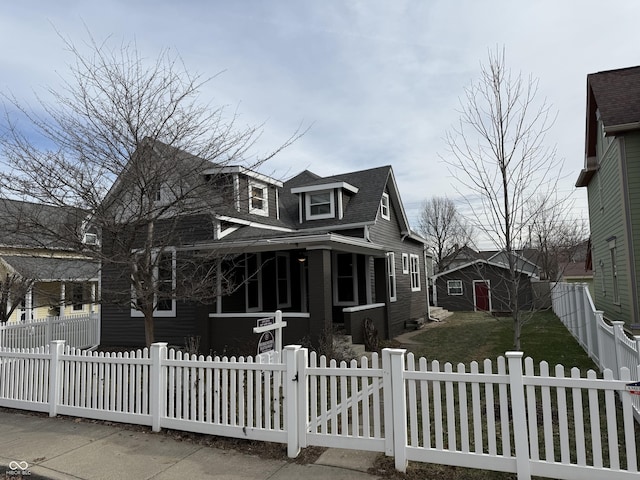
x=475, y=336
x=468, y=336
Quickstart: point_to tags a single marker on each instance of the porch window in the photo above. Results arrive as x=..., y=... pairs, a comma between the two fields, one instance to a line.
x=258, y=199
x=164, y=278
x=454, y=287
x=283, y=280
x=320, y=205
x=384, y=206
x=344, y=279
x=414, y=264
x=253, y=282
x=391, y=271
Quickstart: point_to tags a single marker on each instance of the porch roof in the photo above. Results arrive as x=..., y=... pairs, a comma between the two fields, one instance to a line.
x=51, y=268
x=274, y=241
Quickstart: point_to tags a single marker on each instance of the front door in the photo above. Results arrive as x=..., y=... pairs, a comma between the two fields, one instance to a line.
x=481, y=295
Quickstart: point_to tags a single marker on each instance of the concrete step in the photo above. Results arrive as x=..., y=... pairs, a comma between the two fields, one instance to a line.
x=439, y=313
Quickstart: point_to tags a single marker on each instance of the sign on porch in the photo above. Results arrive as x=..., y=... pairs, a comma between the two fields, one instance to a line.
x=271, y=330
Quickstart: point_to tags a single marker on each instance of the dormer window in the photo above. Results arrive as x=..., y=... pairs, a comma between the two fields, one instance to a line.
x=320, y=205
x=384, y=206
x=258, y=199
x=325, y=200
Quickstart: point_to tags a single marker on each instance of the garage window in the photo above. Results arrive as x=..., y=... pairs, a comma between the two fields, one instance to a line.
x=454, y=287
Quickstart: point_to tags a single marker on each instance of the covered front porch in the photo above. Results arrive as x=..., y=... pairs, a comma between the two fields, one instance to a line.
x=321, y=283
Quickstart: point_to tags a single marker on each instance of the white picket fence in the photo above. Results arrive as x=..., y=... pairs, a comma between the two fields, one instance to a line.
x=606, y=343
x=501, y=417
x=79, y=330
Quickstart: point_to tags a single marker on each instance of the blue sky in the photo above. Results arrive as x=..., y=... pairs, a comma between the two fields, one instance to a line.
x=378, y=82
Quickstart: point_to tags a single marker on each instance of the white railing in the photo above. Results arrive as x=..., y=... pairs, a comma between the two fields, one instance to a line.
x=79, y=330
x=607, y=344
x=506, y=417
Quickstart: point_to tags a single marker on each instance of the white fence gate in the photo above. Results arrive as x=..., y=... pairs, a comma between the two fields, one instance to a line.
x=502, y=417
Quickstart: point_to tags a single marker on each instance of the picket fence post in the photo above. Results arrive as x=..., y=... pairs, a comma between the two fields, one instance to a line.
x=157, y=384
x=617, y=331
x=292, y=380
x=56, y=349
x=588, y=316
x=302, y=361
x=393, y=384
x=520, y=430
x=599, y=316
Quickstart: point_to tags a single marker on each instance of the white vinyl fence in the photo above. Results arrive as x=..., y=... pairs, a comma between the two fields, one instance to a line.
x=503, y=417
x=80, y=330
x=607, y=344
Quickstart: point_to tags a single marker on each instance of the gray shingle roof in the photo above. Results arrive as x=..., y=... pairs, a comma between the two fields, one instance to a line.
x=362, y=207
x=617, y=94
x=48, y=268
x=33, y=225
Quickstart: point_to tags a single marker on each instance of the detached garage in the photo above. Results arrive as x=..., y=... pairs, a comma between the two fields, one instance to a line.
x=479, y=285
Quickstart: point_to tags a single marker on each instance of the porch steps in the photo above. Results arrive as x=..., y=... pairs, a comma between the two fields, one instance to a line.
x=438, y=313
x=344, y=343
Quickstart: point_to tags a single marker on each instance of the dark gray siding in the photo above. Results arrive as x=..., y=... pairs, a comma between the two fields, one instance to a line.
x=409, y=305
x=498, y=281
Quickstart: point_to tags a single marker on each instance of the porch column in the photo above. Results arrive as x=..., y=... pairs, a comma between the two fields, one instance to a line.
x=28, y=307
x=320, y=294
x=62, y=298
x=382, y=290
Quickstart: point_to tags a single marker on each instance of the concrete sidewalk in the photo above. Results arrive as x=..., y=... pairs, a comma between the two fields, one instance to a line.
x=61, y=448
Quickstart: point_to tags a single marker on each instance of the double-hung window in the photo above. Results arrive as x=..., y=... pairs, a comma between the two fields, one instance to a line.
x=345, y=280
x=162, y=271
x=454, y=287
x=391, y=271
x=258, y=199
x=283, y=280
x=320, y=205
x=253, y=281
x=414, y=266
x=384, y=206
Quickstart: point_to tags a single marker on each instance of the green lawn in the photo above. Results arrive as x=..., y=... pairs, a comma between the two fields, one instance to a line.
x=468, y=336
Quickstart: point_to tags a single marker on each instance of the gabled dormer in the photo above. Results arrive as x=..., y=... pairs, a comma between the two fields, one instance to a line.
x=249, y=192
x=323, y=200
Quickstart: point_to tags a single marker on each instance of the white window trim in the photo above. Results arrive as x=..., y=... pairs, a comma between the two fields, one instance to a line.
x=384, y=205
x=158, y=313
x=405, y=263
x=264, y=211
x=288, y=278
x=332, y=206
x=391, y=273
x=258, y=276
x=414, y=261
x=354, y=277
x=449, y=282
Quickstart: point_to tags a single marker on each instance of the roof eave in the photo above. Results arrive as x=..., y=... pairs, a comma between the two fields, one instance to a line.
x=586, y=174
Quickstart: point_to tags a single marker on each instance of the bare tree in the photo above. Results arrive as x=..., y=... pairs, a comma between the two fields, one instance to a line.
x=498, y=155
x=554, y=236
x=113, y=143
x=444, y=228
x=13, y=289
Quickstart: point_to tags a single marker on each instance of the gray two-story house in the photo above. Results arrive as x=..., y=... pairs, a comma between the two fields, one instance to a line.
x=327, y=251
